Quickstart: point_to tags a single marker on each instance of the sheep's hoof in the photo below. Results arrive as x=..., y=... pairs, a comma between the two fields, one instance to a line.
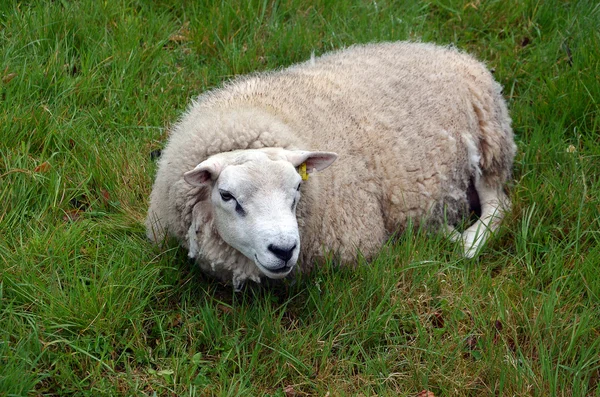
x=451, y=233
x=472, y=251
x=473, y=240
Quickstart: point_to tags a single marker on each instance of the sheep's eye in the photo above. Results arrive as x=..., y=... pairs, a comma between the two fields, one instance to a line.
x=239, y=209
x=298, y=188
x=226, y=196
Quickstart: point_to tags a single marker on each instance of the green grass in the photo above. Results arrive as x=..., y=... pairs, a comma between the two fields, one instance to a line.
x=89, y=307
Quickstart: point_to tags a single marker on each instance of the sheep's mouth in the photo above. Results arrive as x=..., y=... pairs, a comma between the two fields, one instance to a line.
x=273, y=273
x=281, y=270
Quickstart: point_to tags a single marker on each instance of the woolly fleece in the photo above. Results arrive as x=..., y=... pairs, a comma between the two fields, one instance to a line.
x=412, y=124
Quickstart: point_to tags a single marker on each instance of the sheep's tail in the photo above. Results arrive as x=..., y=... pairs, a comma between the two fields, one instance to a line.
x=496, y=143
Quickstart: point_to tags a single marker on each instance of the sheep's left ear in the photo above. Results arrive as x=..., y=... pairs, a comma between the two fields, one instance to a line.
x=315, y=161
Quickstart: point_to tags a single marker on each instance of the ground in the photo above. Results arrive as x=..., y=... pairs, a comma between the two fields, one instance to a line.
x=89, y=307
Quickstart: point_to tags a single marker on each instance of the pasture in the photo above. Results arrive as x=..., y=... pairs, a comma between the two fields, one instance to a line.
x=89, y=307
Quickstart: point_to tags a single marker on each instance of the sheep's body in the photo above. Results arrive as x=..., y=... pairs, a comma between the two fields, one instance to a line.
x=413, y=125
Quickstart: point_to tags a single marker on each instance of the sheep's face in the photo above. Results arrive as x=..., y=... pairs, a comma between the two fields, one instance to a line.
x=254, y=194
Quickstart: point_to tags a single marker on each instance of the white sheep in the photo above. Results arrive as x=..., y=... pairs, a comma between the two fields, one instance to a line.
x=413, y=126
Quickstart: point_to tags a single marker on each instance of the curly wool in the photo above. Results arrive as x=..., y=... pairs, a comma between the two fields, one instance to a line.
x=413, y=124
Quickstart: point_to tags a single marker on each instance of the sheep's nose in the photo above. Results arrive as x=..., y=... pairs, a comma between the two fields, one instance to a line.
x=282, y=253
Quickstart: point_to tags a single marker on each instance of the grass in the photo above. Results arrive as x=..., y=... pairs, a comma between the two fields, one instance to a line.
x=89, y=307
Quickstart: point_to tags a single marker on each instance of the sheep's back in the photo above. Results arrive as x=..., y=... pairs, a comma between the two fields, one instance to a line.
x=397, y=114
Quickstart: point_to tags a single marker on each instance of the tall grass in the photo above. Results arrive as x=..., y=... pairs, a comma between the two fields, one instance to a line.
x=89, y=307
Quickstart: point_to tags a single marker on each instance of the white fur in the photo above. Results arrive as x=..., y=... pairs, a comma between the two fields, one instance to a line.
x=413, y=124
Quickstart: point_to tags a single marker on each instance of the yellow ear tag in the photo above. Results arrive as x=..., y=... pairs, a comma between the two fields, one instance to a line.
x=302, y=171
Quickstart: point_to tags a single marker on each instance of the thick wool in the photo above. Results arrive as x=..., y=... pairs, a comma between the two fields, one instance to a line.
x=413, y=124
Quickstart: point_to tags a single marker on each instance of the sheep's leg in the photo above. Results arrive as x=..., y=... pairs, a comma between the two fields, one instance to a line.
x=451, y=233
x=494, y=204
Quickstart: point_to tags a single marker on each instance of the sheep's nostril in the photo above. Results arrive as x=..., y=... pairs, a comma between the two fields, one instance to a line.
x=282, y=253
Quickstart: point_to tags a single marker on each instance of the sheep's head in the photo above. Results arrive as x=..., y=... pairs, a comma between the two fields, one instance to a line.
x=254, y=194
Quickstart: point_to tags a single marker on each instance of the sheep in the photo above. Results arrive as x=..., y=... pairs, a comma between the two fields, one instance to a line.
x=408, y=131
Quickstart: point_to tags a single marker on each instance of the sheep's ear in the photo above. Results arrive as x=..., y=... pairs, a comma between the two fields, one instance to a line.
x=204, y=172
x=315, y=161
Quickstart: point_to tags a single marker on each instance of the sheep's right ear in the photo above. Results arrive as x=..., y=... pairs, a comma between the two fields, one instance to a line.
x=204, y=172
